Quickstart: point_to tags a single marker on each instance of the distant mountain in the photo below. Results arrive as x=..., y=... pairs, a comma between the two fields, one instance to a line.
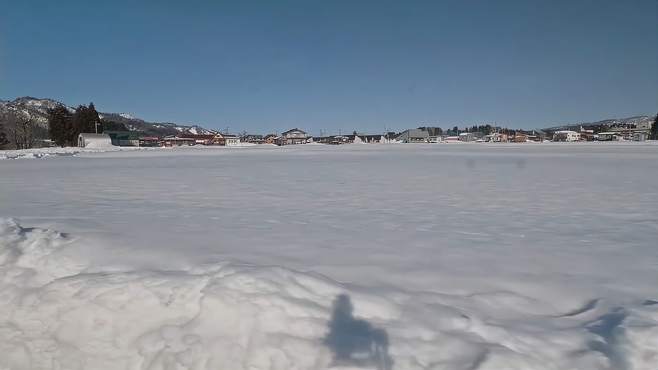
x=34, y=108
x=154, y=128
x=636, y=121
x=37, y=109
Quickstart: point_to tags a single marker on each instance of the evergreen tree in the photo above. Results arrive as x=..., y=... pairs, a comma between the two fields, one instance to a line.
x=654, y=129
x=111, y=126
x=60, y=126
x=85, y=119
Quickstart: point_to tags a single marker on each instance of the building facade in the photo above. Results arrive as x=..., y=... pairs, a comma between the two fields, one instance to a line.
x=231, y=140
x=414, y=135
x=293, y=137
x=566, y=135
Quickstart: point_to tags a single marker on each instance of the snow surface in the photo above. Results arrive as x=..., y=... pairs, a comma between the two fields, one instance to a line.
x=57, y=151
x=345, y=257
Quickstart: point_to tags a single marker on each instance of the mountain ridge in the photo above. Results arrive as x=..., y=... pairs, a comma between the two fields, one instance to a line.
x=37, y=109
x=636, y=121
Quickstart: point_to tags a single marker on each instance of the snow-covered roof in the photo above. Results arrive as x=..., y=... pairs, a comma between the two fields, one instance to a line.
x=293, y=130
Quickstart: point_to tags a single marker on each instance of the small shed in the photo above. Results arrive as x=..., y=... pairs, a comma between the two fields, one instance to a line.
x=89, y=140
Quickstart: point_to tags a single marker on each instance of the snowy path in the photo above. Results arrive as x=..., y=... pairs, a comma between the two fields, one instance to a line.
x=453, y=257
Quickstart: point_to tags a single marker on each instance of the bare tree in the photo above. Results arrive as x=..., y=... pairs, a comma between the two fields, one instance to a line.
x=3, y=136
x=22, y=131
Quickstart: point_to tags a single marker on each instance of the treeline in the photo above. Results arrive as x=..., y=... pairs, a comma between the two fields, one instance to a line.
x=3, y=136
x=437, y=131
x=19, y=130
x=64, y=127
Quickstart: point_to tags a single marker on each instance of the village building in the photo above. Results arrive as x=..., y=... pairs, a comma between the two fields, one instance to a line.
x=467, y=136
x=123, y=138
x=292, y=137
x=566, y=135
x=607, y=136
x=208, y=139
x=338, y=139
x=536, y=136
x=586, y=134
x=231, y=140
x=332, y=139
x=322, y=139
x=644, y=125
x=252, y=139
x=149, y=141
x=364, y=138
x=270, y=139
x=495, y=137
x=177, y=141
x=91, y=140
x=413, y=135
x=520, y=137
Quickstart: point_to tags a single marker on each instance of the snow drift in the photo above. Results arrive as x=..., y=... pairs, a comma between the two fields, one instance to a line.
x=59, y=312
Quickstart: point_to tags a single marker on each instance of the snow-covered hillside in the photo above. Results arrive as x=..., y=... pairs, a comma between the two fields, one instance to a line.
x=37, y=109
x=636, y=121
x=310, y=257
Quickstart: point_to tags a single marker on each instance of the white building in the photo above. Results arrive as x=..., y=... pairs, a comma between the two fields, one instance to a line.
x=495, y=137
x=466, y=136
x=90, y=140
x=607, y=136
x=644, y=125
x=566, y=135
x=230, y=140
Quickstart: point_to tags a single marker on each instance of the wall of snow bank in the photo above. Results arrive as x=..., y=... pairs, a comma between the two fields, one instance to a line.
x=56, y=312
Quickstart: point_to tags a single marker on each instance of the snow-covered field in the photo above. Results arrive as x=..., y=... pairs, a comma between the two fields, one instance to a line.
x=456, y=257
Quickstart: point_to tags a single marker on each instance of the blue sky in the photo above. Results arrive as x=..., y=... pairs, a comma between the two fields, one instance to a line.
x=264, y=66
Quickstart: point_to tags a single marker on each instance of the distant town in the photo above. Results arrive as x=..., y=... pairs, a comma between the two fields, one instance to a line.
x=297, y=136
x=33, y=123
